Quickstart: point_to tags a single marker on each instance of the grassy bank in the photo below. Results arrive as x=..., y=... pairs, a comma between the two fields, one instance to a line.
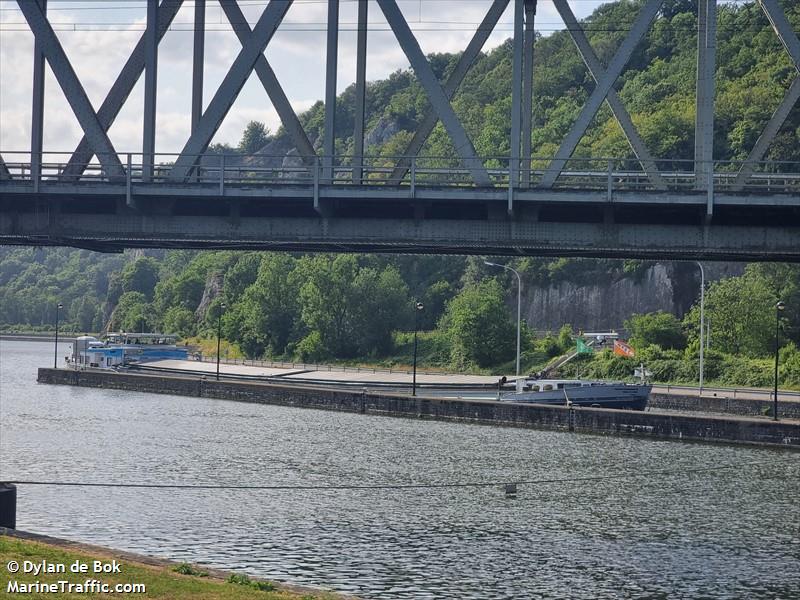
x=161, y=580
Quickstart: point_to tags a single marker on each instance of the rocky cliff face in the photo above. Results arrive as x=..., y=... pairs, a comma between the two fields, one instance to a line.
x=670, y=287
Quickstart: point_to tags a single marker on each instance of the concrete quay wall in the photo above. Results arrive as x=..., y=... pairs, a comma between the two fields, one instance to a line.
x=787, y=408
x=726, y=429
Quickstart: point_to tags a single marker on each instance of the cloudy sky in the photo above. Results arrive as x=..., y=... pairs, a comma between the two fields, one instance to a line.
x=98, y=36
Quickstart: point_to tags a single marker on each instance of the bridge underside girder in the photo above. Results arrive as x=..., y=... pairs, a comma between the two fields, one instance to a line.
x=547, y=223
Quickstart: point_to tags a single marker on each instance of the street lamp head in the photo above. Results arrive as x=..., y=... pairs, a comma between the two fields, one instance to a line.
x=780, y=305
x=222, y=305
x=59, y=305
x=418, y=306
x=491, y=264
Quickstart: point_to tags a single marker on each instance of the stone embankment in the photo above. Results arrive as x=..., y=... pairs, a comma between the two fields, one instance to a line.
x=724, y=403
x=678, y=426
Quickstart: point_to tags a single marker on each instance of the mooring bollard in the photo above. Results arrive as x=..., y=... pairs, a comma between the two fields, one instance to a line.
x=8, y=505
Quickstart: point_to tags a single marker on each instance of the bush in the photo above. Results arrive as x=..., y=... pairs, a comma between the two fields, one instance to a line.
x=311, y=348
x=658, y=328
x=187, y=569
x=789, y=368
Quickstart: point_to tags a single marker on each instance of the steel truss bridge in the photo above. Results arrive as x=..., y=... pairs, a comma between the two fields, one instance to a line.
x=513, y=205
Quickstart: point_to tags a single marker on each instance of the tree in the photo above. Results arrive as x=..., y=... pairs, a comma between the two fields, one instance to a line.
x=742, y=315
x=267, y=314
x=255, y=137
x=382, y=306
x=478, y=326
x=132, y=313
x=241, y=275
x=180, y=321
x=660, y=328
x=352, y=310
x=140, y=276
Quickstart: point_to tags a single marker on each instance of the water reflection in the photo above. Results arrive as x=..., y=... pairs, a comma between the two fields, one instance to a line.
x=720, y=534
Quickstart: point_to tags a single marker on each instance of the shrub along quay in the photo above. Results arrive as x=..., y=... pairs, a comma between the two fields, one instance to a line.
x=693, y=427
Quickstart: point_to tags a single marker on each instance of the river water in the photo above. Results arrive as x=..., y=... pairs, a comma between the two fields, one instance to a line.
x=662, y=531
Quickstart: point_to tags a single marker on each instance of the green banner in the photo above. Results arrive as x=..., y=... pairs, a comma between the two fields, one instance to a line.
x=583, y=348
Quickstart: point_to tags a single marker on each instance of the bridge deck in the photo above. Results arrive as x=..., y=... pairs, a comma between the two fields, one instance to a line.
x=612, y=213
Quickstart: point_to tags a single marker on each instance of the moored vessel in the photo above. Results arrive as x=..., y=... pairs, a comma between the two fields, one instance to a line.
x=118, y=349
x=581, y=392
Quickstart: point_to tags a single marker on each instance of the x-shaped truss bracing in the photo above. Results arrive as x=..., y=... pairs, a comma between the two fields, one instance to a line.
x=790, y=41
x=450, y=87
x=73, y=90
x=602, y=90
x=598, y=74
x=95, y=125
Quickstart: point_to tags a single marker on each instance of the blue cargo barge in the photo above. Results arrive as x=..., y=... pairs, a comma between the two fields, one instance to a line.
x=118, y=349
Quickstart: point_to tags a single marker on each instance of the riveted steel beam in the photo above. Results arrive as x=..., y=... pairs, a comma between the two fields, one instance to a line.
x=706, y=90
x=516, y=100
x=71, y=85
x=150, y=90
x=620, y=112
x=601, y=91
x=527, y=91
x=783, y=28
x=361, y=92
x=121, y=89
x=450, y=87
x=436, y=95
x=198, y=60
x=271, y=85
x=331, y=65
x=37, y=112
x=789, y=39
x=230, y=87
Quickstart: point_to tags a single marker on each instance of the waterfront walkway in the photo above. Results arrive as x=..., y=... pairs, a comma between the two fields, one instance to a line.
x=324, y=373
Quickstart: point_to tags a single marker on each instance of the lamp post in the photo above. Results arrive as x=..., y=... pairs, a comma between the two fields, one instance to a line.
x=417, y=307
x=519, y=302
x=59, y=306
x=219, y=333
x=702, y=320
x=779, y=308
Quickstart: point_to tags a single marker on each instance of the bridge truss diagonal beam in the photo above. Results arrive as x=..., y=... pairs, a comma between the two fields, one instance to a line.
x=121, y=89
x=601, y=91
x=436, y=95
x=230, y=87
x=620, y=112
x=450, y=87
x=788, y=38
x=271, y=84
x=71, y=86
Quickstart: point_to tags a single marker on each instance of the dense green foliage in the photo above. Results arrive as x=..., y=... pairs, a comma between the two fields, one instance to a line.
x=660, y=328
x=361, y=307
x=477, y=326
x=657, y=87
x=743, y=319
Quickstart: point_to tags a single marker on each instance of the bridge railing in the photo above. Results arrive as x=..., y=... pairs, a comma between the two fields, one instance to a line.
x=221, y=170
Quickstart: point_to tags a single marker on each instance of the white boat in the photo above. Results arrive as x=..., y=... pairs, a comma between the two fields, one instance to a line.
x=119, y=349
x=580, y=392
